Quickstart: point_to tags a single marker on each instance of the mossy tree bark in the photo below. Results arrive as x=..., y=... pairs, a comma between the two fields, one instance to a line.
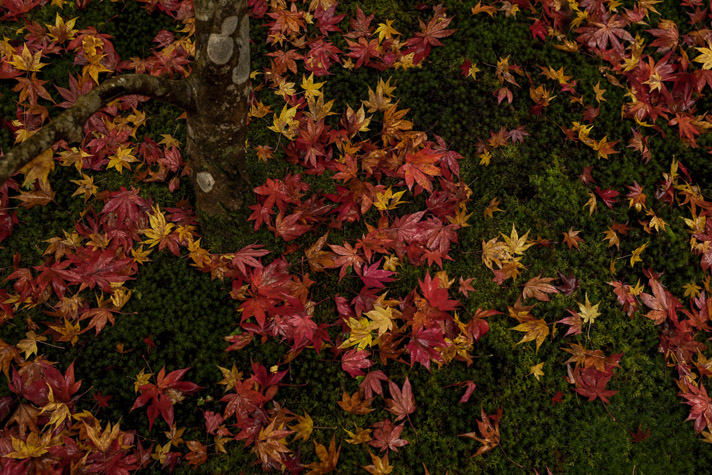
x=215, y=97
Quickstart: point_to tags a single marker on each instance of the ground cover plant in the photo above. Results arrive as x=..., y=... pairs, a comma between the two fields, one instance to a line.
x=478, y=242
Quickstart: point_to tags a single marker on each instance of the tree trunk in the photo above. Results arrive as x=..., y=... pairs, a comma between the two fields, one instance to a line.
x=216, y=125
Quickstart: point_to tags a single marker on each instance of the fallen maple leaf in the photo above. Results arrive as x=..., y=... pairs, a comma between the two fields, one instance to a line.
x=538, y=288
x=386, y=436
x=403, y=403
x=489, y=429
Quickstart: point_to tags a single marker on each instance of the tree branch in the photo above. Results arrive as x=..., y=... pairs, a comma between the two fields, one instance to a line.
x=69, y=125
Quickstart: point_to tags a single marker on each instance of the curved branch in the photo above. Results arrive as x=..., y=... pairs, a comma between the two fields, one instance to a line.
x=68, y=126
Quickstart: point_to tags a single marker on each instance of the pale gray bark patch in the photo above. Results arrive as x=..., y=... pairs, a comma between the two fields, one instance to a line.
x=241, y=72
x=219, y=49
x=203, y=10
x=229, y=25
x=205, y=181
x=245, y=29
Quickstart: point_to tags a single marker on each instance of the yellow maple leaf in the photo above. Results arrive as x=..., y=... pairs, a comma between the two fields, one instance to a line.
x=27, y=61
x=706, y=57
x=285, y=123
x=159, y=228
x=61, y=31
x=230, y=377
x=492, y=208
x=536, y=370
x=303, y=428
x=588, y=312
x=516, y=244
x=599, y=92
x=39, y=168
x=121, y=159
x=311, y=89
x=140, y=256
x=485, y=158
x=385, y=31
x=360, y=336
x=29, y=344
x=536, y=329
x=141, y=379
x=379, y=466
x=102, y=439
x=388, y=200
x=635, y=256
x=30, y=448
x=69, y=332
x=692, y=290
x=360, y=436
x=60, y=411
x=382, y=319
x=85, y=186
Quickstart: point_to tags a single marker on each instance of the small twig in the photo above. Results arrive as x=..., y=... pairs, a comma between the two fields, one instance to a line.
x=508, y=458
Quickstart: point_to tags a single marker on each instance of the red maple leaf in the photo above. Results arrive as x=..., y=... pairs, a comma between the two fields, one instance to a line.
x=701, y=411
x=436, y=295
x=372, y=276
x=387, y=436
x=290, y=227
x=423, y=346
x=372, y=383
x=363, y=51
x=56, y=275
x=157, y=394
x=608, y=196
x=246, y=257
x=360, y=25
x=610, y=30
x=95, y=267
x=591, y=383
x=354, y=361
x=402, y=403
x=428, y=36
x=128, y=204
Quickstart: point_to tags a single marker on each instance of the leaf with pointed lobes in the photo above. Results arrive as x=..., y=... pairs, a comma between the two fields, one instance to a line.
x=290, y=227
x=372, y=383
x=538, y=288
x=640, y=435
x=701, y=410
x=436, y=295
x=477, y=327
x=372, y=276
x=424, y=346
x=379, y=466
x=354, y=404
x=327, y=458
x=247, y=257
x=489, y=430
x=536, y=329
x=403, y=403
x=386, y=436
x=569, y=283
x=662, y=303
x=608, y=196
x=353, y=361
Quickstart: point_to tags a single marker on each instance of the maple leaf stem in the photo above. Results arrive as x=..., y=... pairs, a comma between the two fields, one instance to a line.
x=412, y=426
x=609, y=412
x=508, y=458
x=50, y=344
